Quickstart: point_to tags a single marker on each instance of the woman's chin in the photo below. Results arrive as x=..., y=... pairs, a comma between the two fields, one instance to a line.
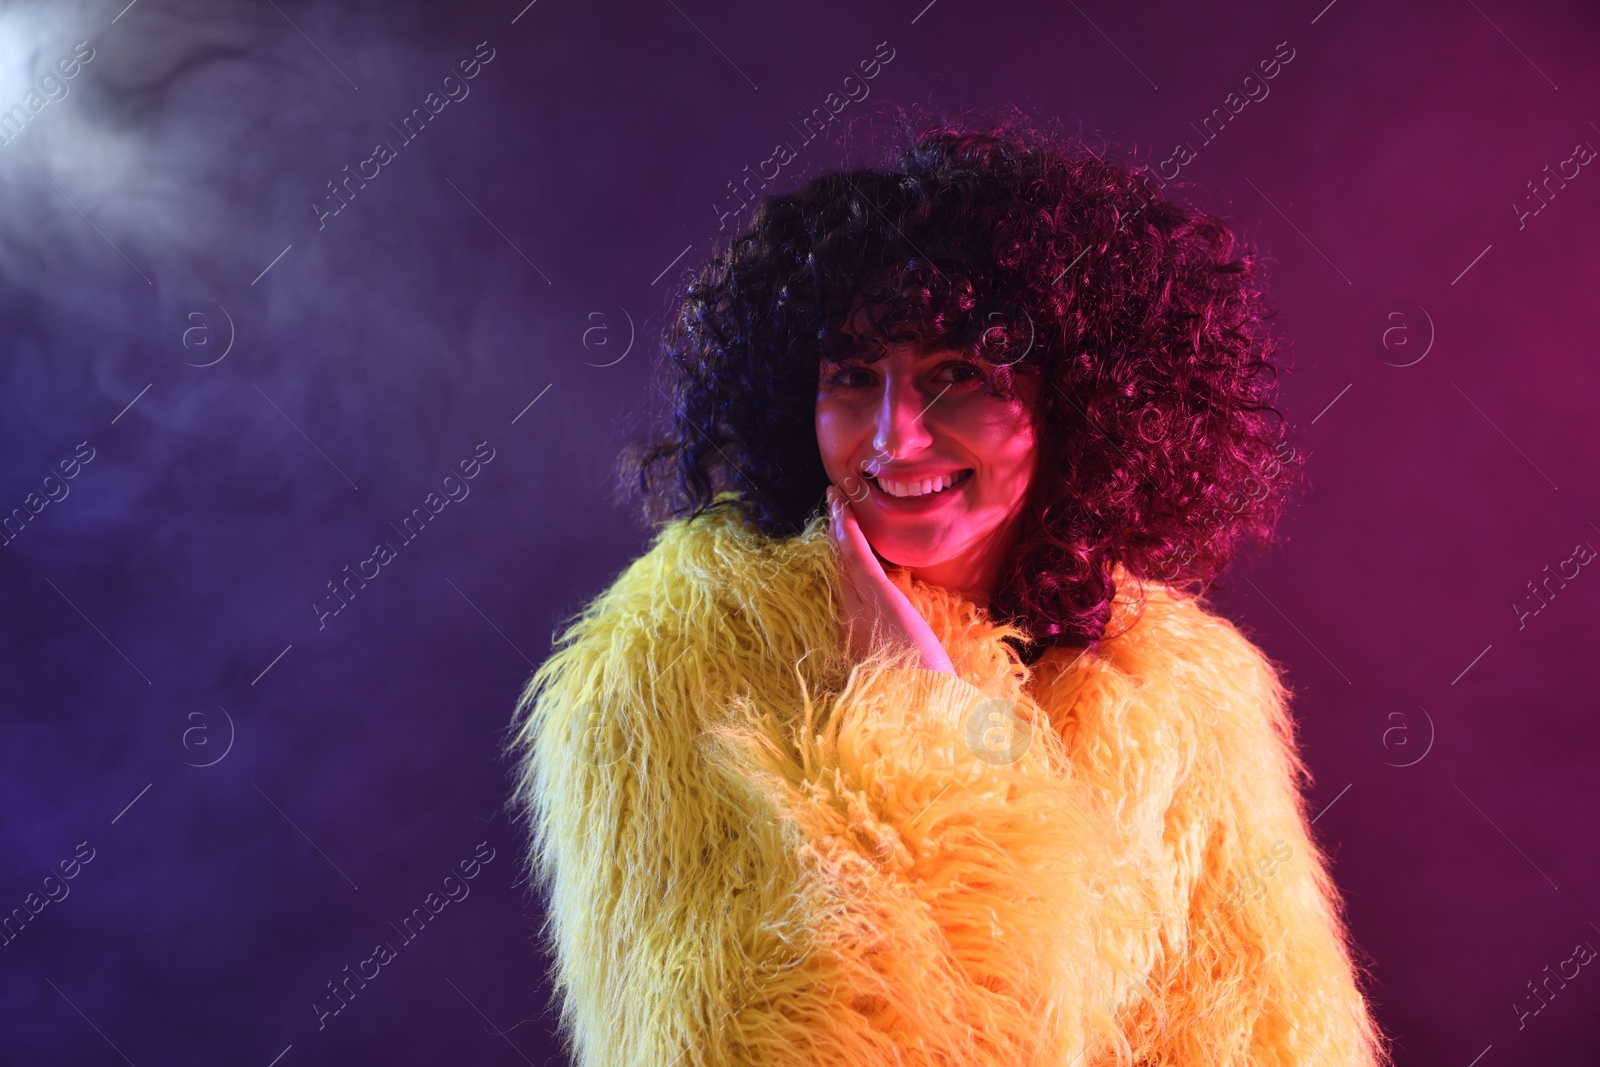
x=899, y=553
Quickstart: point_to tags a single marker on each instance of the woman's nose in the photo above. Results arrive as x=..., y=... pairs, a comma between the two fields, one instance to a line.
x=902, y=427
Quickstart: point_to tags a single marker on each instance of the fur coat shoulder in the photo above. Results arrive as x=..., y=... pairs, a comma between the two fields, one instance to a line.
x=752, y=851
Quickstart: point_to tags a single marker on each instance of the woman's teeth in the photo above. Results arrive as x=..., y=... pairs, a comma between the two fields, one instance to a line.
x=923, y=488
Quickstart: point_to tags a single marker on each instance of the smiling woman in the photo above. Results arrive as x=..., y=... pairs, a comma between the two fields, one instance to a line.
x=946, y=773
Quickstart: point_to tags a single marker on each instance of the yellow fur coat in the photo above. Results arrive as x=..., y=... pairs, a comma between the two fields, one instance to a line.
x=754, y=852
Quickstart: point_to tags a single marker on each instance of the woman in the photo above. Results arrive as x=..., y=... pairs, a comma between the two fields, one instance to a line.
x=901, y=745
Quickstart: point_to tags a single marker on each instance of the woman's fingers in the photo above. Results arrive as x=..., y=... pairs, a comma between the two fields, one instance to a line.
x=849, y=547
x=853, y=542
x=861, y=602
x=875, y=608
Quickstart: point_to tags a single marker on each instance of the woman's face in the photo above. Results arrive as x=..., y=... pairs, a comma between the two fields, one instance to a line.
x=891, y=430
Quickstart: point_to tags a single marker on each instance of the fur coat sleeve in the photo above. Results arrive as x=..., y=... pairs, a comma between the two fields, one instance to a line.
x=753, y=851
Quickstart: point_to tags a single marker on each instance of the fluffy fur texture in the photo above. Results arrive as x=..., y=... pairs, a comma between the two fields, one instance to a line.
x=755, y=852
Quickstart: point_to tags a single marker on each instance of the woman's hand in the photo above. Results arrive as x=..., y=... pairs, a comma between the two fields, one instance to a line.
x=877, y=613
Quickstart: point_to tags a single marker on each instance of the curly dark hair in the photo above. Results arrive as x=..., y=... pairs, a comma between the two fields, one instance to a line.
x=1159, y=449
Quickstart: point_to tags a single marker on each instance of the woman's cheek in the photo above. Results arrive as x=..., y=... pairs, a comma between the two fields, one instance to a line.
x=834, y=439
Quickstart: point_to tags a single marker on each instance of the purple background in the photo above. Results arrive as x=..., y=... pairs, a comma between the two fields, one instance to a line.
x=166, y=602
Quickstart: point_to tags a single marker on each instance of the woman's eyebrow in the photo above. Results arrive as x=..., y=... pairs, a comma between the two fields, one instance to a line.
x=840, y=347
x=858, y=351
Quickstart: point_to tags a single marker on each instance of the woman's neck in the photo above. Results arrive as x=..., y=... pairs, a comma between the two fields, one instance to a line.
x=973, y=575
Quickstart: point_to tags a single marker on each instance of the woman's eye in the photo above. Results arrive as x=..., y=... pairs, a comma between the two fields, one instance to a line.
x=843, y=377
x=972, y=373
x=955, y=373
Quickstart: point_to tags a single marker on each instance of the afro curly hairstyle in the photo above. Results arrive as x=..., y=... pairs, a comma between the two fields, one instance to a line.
x=1159, y=448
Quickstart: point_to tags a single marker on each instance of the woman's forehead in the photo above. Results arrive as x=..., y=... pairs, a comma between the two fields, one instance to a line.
x=868, y=329
x=873, y=349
